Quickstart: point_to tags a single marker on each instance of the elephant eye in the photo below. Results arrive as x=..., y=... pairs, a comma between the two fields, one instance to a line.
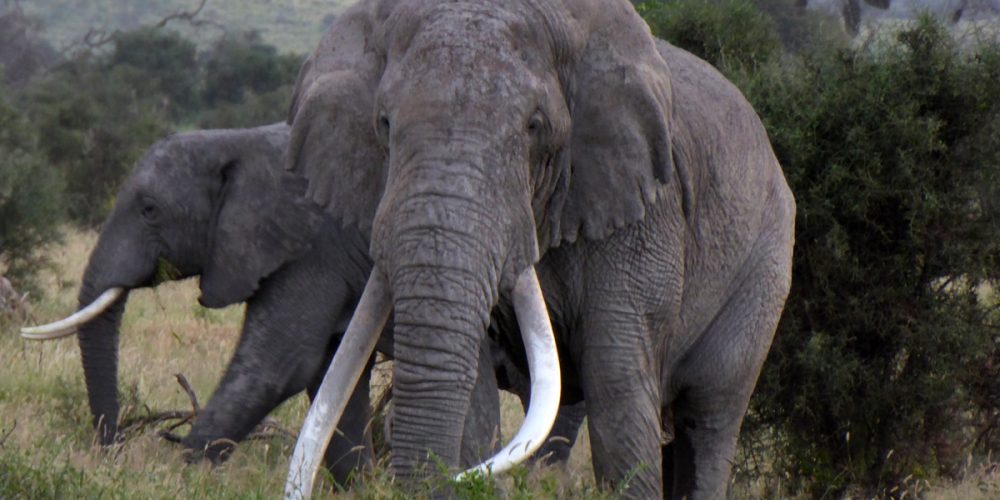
x=149, y=211
x=536, y=123
x=382, y=127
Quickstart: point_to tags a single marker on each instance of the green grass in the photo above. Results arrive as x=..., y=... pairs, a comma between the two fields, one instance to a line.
x=46, y=446
x=292, y=25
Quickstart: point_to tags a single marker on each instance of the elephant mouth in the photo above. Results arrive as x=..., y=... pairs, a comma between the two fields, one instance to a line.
x=357, y=345
x=69, y=325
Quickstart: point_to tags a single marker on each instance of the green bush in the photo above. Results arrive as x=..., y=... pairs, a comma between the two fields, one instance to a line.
x=731, y=33
x=240, y=65
x=95, y=120
x=167, y=61
x=30, y=198
x=254, y=110
x=893, y=153
x=885, y=367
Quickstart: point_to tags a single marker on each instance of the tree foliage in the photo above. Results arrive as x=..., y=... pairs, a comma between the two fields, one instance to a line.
x=894, y=156
x=30, y=198
x=885, y=363
x=101, y=108
x=96, y=122
x=244, y=64
x=728, y=32
x=167, y=59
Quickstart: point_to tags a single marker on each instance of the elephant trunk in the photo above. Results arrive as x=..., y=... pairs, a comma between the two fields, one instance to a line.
x=99, y=351
x=443, y=244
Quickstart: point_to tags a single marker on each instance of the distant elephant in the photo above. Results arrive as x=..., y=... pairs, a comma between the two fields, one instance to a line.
x=493, y=149
x=217, y=204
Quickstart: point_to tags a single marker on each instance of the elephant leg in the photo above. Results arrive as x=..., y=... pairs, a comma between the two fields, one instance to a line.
x=667, y=456
x=287, y=337
x=715, y=382
x=623, y=405
x=563, y=435
x=256, y=381
x=350, y=450
x=565, y=429
x=481, y=436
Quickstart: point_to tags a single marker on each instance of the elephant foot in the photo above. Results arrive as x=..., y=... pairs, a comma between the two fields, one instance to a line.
x=216, y=451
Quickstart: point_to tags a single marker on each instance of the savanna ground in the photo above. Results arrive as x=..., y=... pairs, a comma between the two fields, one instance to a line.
x=46, y=446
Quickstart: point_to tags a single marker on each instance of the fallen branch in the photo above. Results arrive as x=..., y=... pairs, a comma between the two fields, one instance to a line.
x=174, y=419
x=6, y=435
x=190, y=392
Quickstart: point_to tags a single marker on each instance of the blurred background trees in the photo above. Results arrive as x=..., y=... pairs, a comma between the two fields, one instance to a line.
x=74, y=121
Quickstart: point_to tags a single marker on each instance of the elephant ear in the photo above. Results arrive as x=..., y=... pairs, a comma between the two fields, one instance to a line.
x=620, y=149
x=260, y=223
x=334, y=145
x=333, y=141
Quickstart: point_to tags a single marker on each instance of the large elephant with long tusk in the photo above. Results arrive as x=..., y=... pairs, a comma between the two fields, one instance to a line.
x=547, y=156
x=217, y=204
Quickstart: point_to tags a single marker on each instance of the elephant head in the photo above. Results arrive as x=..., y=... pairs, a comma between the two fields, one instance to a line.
x=510, y=128
x=210, y=203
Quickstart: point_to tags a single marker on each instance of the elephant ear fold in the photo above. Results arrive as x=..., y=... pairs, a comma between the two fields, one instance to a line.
x=334, y=145
x=620, y=148
x=260, y=223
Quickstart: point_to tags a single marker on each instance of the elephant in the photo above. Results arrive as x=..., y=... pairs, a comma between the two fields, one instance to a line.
x=508, y=159
x=216, y=203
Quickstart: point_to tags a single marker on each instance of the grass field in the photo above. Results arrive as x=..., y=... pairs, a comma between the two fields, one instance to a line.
x=46, y=440
x=45, y=434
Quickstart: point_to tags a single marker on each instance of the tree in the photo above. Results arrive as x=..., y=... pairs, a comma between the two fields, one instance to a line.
x=30, y=198
x=241, y=64
x=893, y=153
x=166, y=57
x=96, y=122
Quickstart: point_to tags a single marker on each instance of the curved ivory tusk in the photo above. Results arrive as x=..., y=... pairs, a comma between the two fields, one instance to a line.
x=67, y=326
x=341, y=377
x=543, y=368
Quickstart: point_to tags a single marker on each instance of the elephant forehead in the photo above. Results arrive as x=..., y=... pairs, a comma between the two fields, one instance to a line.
x=466, y=37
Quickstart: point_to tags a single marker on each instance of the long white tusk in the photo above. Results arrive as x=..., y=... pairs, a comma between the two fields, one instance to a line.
x=543, y=367
x=67, y=326
x=341, y=377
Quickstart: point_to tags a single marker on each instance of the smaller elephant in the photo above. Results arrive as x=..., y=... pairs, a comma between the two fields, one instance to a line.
x=217, y=204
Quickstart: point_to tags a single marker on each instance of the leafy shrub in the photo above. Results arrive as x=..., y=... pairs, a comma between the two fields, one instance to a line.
x=30, y=198
x=239, y=65
x=254, y=110
x=165, y=58
x=893, y=153
x=725, y=33
x=95, y=121
x=885, y=366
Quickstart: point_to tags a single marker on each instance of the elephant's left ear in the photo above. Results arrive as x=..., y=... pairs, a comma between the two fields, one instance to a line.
x=261, y=223
x=620, y=148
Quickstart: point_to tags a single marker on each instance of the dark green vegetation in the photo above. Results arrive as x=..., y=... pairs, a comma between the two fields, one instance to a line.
x=885, y=367
x=72, y=125
x=886, y=362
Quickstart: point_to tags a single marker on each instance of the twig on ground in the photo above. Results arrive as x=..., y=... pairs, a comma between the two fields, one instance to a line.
x=190, y=392
x=6, y=435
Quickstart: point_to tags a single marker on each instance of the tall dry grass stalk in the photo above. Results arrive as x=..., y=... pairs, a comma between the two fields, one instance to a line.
x=45, y=428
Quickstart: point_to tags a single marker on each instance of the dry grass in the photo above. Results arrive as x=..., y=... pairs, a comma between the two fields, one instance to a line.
x=45, y=423
x=46, y=441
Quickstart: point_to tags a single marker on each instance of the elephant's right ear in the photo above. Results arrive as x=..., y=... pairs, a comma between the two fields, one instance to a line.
x=334, y=145
x=333, y=142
